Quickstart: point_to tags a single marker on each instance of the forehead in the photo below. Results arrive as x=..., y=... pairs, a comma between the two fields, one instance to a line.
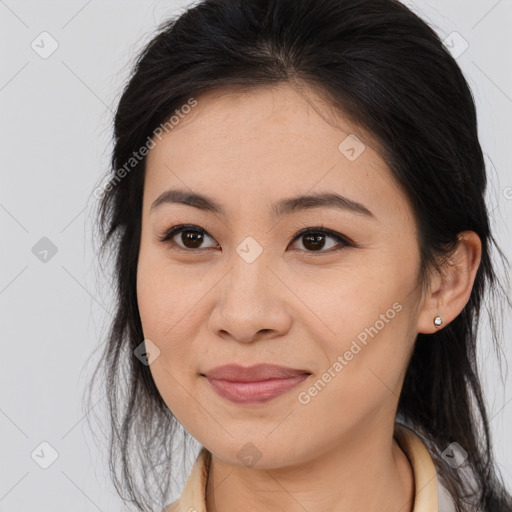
x=269, y=142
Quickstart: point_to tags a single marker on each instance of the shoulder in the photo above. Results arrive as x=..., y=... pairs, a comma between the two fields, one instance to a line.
x=193, y=495
x=418, y=450
x=172, y=507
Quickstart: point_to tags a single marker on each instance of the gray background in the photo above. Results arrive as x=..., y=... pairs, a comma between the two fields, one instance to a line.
x=55, y=135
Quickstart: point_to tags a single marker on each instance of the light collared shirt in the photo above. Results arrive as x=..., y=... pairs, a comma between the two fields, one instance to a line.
x=430, y=495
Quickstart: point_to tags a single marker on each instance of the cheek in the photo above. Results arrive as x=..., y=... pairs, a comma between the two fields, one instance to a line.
x=165, y=296
x=151, y=299
x=344, y=301
x=370, y=315
x=169, y=308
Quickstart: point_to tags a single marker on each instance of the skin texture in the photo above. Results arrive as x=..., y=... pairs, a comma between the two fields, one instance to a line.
x=293, y=305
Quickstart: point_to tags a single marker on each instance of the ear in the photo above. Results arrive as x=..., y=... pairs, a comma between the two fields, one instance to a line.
x=450, y=290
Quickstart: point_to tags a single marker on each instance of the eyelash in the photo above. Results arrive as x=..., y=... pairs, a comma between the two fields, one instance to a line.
x=175, y=230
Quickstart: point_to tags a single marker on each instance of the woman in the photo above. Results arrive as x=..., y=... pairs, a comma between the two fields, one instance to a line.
x=302, y=251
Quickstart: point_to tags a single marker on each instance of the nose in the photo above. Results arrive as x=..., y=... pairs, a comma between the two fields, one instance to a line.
x=251, y=302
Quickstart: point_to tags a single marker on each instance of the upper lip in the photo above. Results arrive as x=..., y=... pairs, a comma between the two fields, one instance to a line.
x=259, y=372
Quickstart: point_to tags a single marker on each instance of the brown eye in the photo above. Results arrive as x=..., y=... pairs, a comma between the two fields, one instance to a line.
x=192, y=239
x=316, y=239
x=186, y=237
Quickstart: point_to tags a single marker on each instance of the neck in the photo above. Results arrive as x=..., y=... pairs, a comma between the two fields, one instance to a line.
x=361, y=474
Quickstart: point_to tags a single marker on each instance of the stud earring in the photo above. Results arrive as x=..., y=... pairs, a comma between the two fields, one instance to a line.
x=438, y=321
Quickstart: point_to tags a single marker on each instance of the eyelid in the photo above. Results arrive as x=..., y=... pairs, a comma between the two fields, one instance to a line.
x=178, y=228
x=340, y=238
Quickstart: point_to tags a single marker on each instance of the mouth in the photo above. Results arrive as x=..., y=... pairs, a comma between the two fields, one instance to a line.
x=255, y=373
x=255, y=384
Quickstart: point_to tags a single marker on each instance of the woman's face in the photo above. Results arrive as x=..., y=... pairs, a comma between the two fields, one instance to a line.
x=251, y=291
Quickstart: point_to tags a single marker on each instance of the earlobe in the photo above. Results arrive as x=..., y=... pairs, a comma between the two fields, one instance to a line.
x=450, y=290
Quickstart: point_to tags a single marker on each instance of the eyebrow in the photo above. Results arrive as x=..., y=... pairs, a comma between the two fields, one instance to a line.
x=279, y=209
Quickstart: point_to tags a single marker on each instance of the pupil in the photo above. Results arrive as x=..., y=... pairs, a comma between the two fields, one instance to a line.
x=317, y=241
x=192, y=237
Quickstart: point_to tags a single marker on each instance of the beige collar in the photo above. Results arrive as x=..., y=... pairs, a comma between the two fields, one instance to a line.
x=425, y=478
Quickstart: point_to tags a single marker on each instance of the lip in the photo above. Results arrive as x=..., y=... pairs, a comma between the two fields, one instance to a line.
x=254, y=384
x=255, y=373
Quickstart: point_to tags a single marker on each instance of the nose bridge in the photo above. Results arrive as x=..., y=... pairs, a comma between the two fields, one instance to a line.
x=249, y=298
x=249, y=273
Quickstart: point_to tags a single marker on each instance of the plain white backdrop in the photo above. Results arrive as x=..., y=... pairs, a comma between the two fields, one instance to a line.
x=63, y=64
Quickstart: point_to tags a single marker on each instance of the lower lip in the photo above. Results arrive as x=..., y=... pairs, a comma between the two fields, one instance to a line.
x=255, y=392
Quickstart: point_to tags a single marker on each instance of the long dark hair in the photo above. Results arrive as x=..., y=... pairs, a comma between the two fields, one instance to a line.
x=387, y=70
